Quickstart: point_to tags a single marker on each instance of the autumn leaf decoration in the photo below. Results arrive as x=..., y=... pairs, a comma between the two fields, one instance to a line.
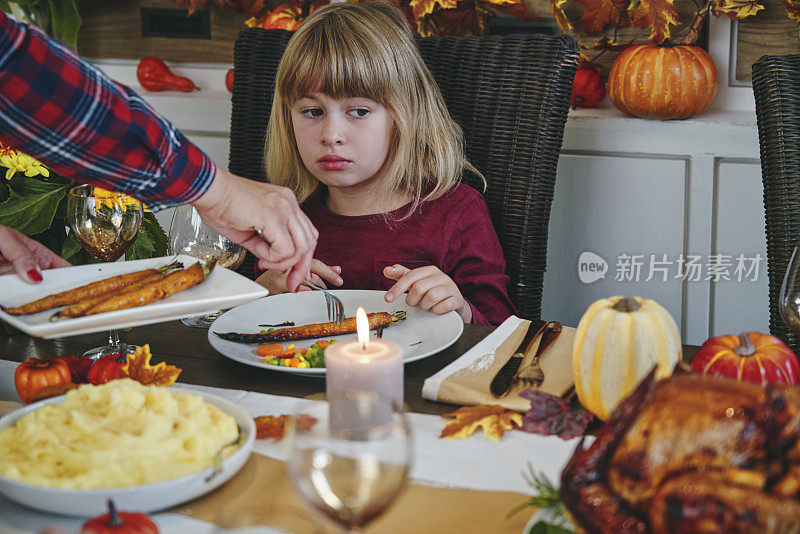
x=274, y=426
x=608, y=17
x=138, y=368
x=460, y=17
x=494, y=419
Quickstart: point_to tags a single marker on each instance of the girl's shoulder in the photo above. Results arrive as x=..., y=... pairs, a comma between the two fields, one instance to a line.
x=462, y=192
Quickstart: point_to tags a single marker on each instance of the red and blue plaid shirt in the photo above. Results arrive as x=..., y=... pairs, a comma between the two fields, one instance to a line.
x=64, y=111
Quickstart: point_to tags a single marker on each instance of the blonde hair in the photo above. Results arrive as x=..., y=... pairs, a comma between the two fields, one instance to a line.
x=367, y=50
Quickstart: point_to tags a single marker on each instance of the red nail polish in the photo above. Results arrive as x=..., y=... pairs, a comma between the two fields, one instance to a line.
x=35, y=275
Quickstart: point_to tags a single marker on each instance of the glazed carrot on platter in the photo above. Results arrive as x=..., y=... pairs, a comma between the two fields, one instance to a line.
x=309, y=331
x=157, y=290
x=80, y=308
x=100, y=288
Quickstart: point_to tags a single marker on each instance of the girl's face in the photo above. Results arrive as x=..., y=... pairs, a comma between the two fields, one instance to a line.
x=343, y=143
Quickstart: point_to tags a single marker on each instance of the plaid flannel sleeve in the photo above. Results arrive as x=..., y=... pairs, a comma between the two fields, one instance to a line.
x=64, y=111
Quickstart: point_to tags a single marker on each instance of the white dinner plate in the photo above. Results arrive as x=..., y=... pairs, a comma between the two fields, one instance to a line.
x=222, y=289
x=145, y=497
x=420, y=334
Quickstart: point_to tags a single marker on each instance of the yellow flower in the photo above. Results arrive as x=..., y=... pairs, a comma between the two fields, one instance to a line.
x=15, y=161
x=111, y=198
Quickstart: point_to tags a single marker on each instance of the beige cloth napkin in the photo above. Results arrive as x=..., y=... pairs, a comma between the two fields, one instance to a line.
x=466, y=380
x=261, y=494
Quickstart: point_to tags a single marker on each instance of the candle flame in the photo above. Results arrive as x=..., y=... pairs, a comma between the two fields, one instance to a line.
x=362, y=327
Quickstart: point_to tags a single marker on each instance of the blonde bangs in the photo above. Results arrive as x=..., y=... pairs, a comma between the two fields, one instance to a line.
x=337, y=61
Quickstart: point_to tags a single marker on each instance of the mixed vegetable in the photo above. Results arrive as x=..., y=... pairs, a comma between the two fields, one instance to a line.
x=312, y=357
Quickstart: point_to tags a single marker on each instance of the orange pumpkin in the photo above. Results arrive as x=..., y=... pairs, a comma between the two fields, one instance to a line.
x=284, y=17
x=35, y=374
x=750, y=356
x=115, y=522
x=657, y=82
x=588, y=89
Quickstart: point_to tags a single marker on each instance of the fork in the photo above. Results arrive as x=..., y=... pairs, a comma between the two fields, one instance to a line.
x=532, y=375
x=333, y=303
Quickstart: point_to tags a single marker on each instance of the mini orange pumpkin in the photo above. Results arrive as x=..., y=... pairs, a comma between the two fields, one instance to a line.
x=750, y=356
x=35, y=374
x=115, y=522
x=659, y=82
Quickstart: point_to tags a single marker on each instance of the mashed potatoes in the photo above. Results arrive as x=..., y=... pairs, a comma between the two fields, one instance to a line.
x=119, y=434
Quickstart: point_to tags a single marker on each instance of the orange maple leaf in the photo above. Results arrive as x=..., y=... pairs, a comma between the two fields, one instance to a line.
x=792, y=8
x=735, y=9
x=421, y=8
x=494, y=419
x=601, y=13
x=657, y=15
x=274, y=426
x=138, y=368
x=557, y=9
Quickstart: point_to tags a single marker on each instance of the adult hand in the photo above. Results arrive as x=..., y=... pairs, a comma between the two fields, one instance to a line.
x=275, y=280
x=232, y=206
x=21, y=254
x=429, y=288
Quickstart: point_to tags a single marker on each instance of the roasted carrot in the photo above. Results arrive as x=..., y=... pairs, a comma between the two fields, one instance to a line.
x=376, y=320
x=95, y=289
x=79, y=308
x=161, y=289
x=270, y=349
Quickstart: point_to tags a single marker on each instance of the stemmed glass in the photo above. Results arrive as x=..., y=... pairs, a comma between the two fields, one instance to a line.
x=352, y=464
x=106, y=226
x=789, y=303
x=188, y=234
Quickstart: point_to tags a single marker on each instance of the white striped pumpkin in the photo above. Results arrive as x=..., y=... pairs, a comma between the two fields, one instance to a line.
x=618, y=341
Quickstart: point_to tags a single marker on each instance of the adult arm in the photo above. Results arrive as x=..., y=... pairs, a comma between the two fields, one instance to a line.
x=61, y=109
x=21, y=254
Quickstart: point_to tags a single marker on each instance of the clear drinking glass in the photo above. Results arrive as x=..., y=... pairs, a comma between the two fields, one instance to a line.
x=188, y=234
x=790, y=293
x=352, y=464
x=106, y=225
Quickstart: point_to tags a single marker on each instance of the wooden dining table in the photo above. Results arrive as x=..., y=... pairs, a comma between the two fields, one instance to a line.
x=188, y=348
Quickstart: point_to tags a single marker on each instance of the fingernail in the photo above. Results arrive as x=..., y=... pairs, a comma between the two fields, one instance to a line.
x=339, y=280
x=389, y=297
x=35, y=275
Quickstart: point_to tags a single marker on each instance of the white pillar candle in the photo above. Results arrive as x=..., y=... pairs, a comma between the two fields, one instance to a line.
x=365, y=364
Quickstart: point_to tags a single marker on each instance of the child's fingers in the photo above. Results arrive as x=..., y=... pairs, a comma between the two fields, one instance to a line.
x=404, y=281
x=445, y=306
x=326, y=273
x=395, y=272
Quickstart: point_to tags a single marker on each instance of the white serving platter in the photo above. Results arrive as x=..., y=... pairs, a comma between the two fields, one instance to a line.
x=222, y=288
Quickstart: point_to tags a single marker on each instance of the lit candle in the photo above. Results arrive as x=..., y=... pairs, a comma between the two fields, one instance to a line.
x=365, y=364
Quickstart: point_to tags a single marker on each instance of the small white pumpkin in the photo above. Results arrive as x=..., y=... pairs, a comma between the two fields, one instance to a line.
x=618, y=341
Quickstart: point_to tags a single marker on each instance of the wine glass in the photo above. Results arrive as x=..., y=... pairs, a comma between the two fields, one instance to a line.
x=188, y=234
x=352, y=463
x=789, y=303
x=106, y=224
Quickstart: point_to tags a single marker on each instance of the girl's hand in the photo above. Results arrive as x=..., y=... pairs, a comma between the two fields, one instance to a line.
x=429, y=288
x=275, y=280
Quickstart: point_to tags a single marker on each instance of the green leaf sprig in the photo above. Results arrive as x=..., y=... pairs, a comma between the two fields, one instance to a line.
x=545, y=497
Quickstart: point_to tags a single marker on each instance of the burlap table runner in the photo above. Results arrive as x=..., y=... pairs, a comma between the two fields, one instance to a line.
x=466, y=381
x=261, y=493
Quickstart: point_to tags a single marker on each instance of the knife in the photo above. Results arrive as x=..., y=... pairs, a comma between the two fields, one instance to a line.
x=502, y=380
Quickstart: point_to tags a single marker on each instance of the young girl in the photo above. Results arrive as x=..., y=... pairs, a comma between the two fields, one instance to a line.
x=360, y=132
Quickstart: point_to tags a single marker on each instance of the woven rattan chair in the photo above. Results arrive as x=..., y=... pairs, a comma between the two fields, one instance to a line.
x=776, y=87
x=510, y=94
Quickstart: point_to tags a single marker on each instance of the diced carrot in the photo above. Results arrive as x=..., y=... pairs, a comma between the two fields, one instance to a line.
x=270, y=349
x=293, y=362
x=323, y=343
